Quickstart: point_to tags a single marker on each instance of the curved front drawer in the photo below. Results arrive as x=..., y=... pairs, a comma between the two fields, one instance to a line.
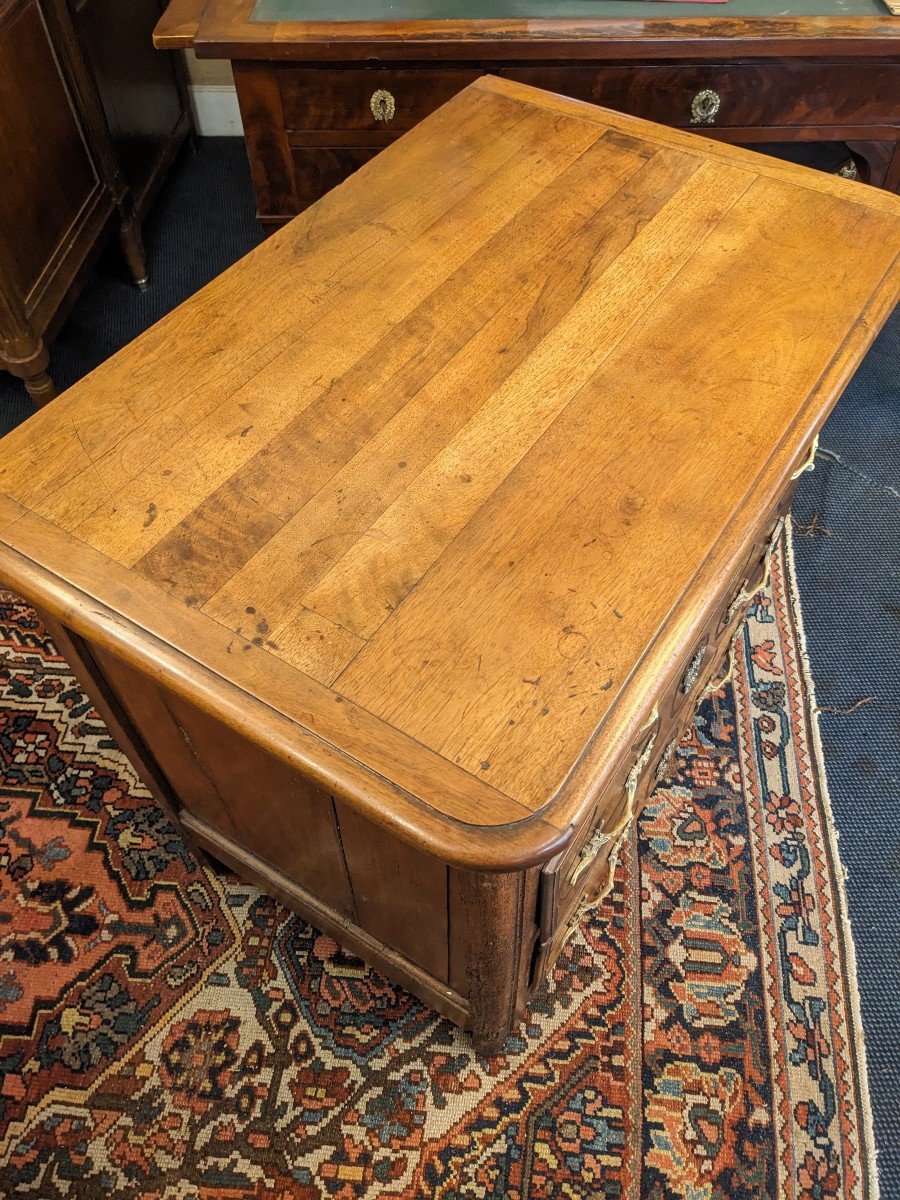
x=579, y=869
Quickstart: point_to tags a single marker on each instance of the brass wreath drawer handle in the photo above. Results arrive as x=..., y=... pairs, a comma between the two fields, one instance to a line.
x=589, y=851
x=602, y=837
x=705, y=107
x=749, y=590
x=383, y=105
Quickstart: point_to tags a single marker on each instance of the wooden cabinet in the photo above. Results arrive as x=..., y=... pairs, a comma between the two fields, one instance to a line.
x=320, y=97
x=142, y=97
x=90, y=117
x=309, y=127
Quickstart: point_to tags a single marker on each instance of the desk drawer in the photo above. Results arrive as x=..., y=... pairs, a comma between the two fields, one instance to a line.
x=309, y=127
x=375, y=101
x=733, y=95
x=690, y=95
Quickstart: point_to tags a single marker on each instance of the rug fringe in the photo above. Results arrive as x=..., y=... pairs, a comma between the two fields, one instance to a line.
x=841, y=874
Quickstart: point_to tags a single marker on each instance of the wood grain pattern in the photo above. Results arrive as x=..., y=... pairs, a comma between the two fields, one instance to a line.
x=467, y=347
x=10, y=511
x=373, y=579
x=588, y=621
x=430, y=496
x=339, y=383
x=400, y=893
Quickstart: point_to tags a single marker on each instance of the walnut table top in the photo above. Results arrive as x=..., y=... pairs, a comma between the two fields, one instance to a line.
x=428, y=492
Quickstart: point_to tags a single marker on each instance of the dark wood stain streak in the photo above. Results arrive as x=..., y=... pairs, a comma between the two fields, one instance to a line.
x=311, y=450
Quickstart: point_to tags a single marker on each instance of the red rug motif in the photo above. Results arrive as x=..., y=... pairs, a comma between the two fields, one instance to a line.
x=172, y=1034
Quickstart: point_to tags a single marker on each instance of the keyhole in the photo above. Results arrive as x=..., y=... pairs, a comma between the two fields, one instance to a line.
x=383, y=105
x=704, y=107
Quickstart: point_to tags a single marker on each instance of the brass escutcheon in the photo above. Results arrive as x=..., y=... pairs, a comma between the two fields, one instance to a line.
x=704, y=107
x=383, y=105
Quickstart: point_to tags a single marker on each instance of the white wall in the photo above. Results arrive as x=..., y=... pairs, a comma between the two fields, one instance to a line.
x=213, y=98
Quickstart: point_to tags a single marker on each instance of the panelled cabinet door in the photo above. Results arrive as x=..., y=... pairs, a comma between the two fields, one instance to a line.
x=136, y=84
x=48, y=180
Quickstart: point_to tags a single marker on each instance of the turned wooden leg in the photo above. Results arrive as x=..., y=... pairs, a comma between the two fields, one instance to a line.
x=33, y=370
x=22, y=349
x=40, y=388
x=133, y=250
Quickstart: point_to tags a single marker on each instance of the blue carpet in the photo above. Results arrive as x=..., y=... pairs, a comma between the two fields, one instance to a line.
x=847, y=550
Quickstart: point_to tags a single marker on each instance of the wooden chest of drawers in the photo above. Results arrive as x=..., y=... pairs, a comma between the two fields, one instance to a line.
x=398, y=556
x=332, y=120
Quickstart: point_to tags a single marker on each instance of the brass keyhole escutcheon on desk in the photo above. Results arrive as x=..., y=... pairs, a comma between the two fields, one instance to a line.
x=705, y=106
x=383, y=105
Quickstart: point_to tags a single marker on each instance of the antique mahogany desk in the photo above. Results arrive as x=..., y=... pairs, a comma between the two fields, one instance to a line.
x=397, y=557
x=324, y=84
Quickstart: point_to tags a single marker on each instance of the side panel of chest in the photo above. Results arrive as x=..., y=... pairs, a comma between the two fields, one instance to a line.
x=381, y=897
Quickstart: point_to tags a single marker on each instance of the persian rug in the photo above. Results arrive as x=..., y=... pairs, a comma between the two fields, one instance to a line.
x=170, y=1033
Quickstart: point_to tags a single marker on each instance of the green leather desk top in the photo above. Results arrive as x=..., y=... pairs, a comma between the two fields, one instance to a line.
x=437, y=10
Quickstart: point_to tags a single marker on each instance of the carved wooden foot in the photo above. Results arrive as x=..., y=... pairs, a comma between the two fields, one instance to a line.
x=33, y=370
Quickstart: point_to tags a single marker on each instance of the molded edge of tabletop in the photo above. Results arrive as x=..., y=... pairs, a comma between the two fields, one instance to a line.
x=517, y=837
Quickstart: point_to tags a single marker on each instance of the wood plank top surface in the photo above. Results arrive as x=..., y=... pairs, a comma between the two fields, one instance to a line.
x=430, y=491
